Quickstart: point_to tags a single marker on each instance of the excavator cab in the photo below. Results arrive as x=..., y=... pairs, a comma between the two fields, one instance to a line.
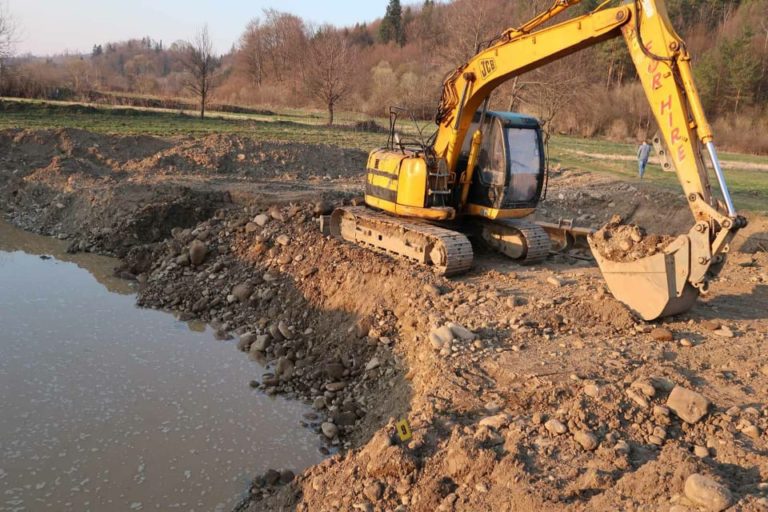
x=509, y=176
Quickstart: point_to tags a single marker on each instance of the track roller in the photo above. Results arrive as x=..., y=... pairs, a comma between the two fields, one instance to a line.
x=447, y=252
x=521, y=240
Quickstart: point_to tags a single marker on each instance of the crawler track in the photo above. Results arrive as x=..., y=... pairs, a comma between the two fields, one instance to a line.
x=521, y=240
x=448, y=252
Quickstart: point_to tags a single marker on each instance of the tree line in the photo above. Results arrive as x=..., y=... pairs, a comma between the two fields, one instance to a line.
x=401, y=59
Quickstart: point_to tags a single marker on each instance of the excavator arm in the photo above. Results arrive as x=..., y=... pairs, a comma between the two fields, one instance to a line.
x=675, y=278
x=516, y=52
x=668, y=282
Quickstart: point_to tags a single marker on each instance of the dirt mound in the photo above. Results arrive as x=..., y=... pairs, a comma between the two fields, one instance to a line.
x=592, y=199
x=108, y=220
x=225, y=154
x=95, y=156
x=297, y=305
x=621, y=242
x=584, y=421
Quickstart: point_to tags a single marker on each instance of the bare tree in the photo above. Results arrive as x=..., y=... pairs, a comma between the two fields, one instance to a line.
x=7, y=37
x=79, y=71
x=201, y=63
x=273, y=47
x=548, y=90
x=328, y=73
x=286, y=44
x=469, y=23
x=252, y=54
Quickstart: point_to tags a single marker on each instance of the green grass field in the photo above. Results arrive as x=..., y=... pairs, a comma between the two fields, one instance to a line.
x=747, y=183
x=747, y=174
x=289, y=126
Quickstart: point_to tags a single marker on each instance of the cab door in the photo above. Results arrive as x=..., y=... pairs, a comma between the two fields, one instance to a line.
x=490, y=176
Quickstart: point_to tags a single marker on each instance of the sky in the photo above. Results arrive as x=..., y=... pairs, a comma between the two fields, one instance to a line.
x=47, y=27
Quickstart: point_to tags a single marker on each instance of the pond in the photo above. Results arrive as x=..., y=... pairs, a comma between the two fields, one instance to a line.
x=106, y=406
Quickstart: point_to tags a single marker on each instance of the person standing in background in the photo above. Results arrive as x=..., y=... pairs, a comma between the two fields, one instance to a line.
x=643, y=153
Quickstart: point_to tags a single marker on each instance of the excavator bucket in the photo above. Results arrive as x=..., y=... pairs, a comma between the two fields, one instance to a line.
x=655, y=286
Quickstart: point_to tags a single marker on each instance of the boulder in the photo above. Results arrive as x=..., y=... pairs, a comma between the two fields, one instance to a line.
x=286, y=476
x=334, y=371
x=284, y=368
x=591, y=390
x=556, y=427
x=461, y=332
x=329, y=430
x=260, y=344
x=662, y=334
x=555, y=281
x=496, y=422
x=284, y=330
x=345, y=419
x=242, y=292
x=245, y=342
x=645, y=387
x=707, y=493
x=271, y=477
x=274, y=331
x=586, y=439
x=688, y=405
x=374, y=491
x=335, y=386
x=197, y=252
x=441, y=337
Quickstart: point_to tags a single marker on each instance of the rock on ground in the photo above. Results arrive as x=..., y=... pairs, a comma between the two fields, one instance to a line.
x=707, y=493
x=662, y=334
x=556, y=427
x=688, y=405
x=197, y=252
x=587, y=440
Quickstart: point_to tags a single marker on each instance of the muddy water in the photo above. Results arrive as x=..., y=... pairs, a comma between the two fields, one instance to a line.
x=104, y=406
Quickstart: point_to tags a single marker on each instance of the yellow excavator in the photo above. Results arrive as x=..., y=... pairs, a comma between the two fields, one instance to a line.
x=485, y=171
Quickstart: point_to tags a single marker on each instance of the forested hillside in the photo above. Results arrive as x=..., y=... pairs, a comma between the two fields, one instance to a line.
x=400, y=59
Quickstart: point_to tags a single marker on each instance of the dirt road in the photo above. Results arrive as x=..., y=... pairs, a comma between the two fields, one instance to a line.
x=526, y=388
x=726, y=164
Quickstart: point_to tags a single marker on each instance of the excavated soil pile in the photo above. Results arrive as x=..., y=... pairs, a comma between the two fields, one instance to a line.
x=526, y=388
x=48, y=154
x=109, y=193
x=621, y=242
x=504, y=378
x=296, y=300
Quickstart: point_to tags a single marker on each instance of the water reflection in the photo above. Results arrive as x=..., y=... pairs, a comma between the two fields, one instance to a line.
x=101, y=268
x=106, y=406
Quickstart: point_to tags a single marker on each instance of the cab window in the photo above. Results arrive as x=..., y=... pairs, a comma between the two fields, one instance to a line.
x=492, y=160
x=524, y=164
